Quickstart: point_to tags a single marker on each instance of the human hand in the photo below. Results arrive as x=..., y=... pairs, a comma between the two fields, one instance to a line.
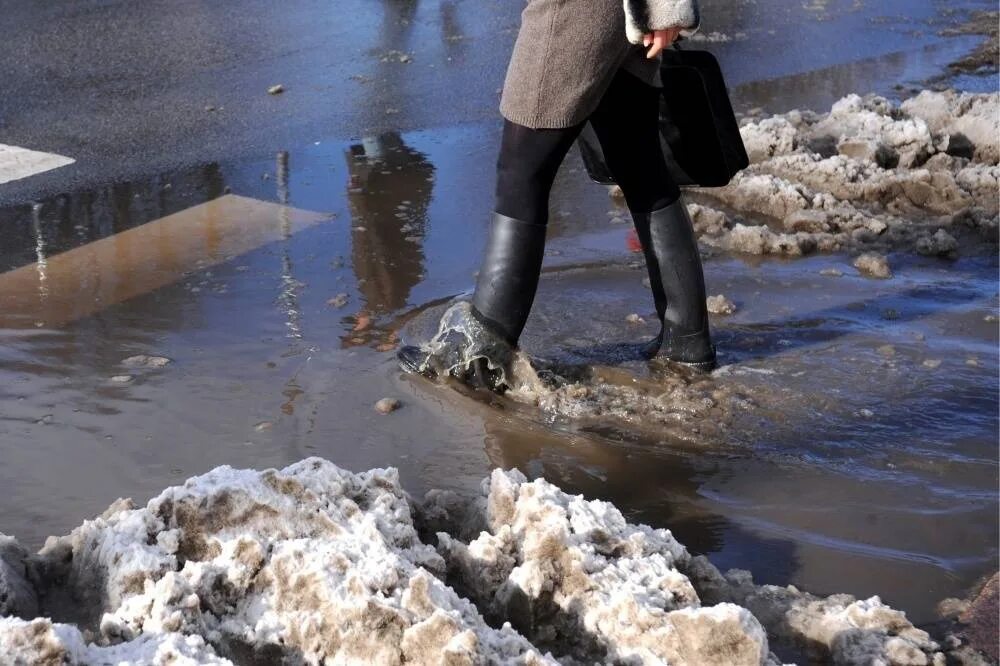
x=659, y=40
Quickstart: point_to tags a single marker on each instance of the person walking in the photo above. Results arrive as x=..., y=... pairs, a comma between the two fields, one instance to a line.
x=579, y=61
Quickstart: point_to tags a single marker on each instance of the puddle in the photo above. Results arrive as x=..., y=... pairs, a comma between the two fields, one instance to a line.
x=61, y=288
x=862, y=440
x=852, y=446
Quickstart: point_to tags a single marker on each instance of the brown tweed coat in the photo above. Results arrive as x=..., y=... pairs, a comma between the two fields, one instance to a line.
x=567, y=52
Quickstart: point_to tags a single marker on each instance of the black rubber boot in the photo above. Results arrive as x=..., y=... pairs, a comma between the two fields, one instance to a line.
x=508, y=276
x=505, y=291
x=417, y=360
x=414, y=359
x=678, y=283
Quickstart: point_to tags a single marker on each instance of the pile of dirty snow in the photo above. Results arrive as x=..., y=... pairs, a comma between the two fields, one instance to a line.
x=308, y=564
x=314, y=564
x=869, y=175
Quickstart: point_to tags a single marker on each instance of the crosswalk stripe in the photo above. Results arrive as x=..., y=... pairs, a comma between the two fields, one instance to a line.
x=17, y=163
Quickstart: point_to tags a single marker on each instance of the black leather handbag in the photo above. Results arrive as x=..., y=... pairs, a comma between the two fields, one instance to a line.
x=698, y=130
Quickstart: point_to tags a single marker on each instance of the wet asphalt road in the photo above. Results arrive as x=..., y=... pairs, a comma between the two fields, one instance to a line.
x=132, y=88
x=129, y=89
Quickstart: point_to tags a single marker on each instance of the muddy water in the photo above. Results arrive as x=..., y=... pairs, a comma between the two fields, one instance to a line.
x=850, y=445
x=861, y=454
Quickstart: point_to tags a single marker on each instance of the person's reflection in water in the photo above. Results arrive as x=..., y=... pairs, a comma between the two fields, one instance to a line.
x=389, y=192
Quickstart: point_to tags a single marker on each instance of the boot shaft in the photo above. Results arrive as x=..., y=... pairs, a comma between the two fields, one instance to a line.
x=508, y=276
x=677, y=281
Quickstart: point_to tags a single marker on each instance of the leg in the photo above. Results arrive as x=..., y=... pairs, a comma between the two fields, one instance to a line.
x=508, y=277
x=627, y=125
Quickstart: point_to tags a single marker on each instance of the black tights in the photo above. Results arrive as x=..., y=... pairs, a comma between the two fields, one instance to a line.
x=626, y=124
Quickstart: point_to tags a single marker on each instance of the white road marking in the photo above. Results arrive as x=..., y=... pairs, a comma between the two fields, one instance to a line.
x=17, y=163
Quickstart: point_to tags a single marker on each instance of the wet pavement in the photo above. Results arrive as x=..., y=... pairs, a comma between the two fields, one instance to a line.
x=112, y=83
x=857, y=448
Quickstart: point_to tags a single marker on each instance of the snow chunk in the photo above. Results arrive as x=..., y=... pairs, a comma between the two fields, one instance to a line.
x=17, y=596
x=874, y=265
x=557, y=565
x=838, y=629
x=310, y=563
x=941, y=244
x=720, y=305
x=768, y=137
x=975, y=116
x=867, y=176
x=707, y=221
x=41, y=641
x=765, y=194
x=758, y=239
x=870, y=119
x=313, y=564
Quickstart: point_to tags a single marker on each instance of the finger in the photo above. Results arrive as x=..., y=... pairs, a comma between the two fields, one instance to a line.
x=658, y=44
x=647, y=40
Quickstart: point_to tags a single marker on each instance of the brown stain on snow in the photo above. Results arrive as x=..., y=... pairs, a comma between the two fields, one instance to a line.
x=224, y=510
x=981, y=619
x=372, y=633
x=45, y=646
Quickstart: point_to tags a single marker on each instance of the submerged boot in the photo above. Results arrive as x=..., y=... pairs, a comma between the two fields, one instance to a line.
x=678, y=283
x=505, y=291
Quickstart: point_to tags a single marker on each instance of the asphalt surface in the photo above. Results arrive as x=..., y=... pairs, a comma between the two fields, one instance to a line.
x=129, y=89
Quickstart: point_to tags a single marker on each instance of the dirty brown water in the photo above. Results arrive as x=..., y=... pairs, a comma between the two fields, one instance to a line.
x=858, y=453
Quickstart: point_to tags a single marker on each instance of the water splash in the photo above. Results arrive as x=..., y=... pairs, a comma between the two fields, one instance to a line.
x=462, y=340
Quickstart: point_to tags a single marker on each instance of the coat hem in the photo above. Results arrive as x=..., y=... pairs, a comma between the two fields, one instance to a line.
x=538, y=121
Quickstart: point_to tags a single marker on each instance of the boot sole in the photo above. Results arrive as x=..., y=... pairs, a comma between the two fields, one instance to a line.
x=705, y=365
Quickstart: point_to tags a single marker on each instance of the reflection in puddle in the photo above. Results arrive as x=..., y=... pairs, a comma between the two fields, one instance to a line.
x=79, y=282
x=289, y=285
x=389, y=192
x=70, y=220
x=41, y=253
